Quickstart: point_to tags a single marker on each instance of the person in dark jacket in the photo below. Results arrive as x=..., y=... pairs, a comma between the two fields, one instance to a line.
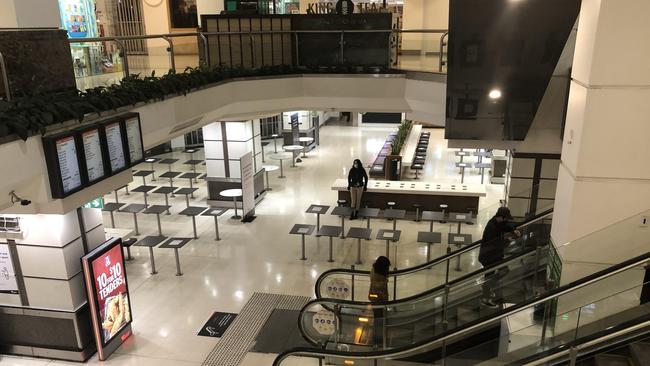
x=495, y=239
x=357, y=184
x=378, y=293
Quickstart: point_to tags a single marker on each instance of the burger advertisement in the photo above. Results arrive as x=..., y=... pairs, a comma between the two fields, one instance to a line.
x=108, y=293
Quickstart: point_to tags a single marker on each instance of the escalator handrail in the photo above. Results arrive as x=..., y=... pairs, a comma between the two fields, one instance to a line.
x=476, y=324
x=369, y=305
x=419, y=267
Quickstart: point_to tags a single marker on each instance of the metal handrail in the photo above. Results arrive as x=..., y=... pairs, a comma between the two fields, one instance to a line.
x=442, y=47
x=5, y=78
x=405, y=351
x=435, y=262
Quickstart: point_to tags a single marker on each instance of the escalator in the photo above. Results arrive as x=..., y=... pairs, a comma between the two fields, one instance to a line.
x=560, y=326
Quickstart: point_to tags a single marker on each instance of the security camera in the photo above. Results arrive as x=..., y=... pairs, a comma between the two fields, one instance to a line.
x=15, y=198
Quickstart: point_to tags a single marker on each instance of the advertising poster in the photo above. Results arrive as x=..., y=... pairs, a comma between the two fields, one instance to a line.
x=8, y=283
x=247, y=184
x=115, y=146
x=108, y=296
x=93, y=154
x=134, y=137
x=78, y=18
x=66, y=151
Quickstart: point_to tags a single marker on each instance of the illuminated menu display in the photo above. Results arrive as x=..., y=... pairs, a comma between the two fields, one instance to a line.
x=115, y=146
x=93, y=153
x=68, y=164
x=135, y=139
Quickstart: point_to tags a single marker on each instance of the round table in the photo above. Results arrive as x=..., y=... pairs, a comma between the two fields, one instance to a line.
x=281, y=157
x=234, y=193
x=267, y=169
x=305, y=141
x=292, y=148
x=275, y=142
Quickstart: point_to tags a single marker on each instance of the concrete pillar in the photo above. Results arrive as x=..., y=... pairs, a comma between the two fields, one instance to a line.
x=604, y=175
x=29, y=14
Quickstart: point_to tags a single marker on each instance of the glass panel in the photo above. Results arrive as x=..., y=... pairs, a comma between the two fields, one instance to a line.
x=420, y=52
x=96, y=64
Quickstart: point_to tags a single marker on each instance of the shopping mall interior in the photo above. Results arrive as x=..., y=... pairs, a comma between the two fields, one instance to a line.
x=324, y=182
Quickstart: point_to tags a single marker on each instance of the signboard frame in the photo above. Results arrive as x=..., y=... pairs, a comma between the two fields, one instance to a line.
x=123, y=138
x=102, y=147
x=54, y=168
x=105, y=348
x=125, y=117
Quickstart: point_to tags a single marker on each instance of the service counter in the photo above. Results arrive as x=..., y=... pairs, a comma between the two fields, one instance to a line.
x=430, y=195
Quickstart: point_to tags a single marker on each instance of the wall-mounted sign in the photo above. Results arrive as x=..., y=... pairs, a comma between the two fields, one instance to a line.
x=115, y=144
x=8, y=283
x=78, y=18
x=343, y=7
x=108, y=296
x=96, y=203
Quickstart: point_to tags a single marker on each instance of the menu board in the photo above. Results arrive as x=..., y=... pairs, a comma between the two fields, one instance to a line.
x=66, y=151
x=134, y=137
x=93, y=153
x=7, y=276
x=115, y=146
x=108, y=292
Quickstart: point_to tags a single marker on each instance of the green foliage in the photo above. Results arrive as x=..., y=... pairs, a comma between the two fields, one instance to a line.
x=31, y=114
x=400, y=139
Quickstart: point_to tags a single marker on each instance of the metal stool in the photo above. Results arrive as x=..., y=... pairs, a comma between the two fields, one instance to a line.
x=416, y=168
x=417, y=210
x=391, y=205
x=127, y=244
x=341, y=202
x=443, y=207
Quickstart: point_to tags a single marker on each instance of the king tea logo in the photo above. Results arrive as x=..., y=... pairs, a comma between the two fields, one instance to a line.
x=344, y=7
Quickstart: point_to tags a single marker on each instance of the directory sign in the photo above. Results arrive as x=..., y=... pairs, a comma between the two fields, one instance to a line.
x=134, y=138
x=8, y=283
x=66, y=152
x=92, y=147
x=115, y=146
x=108, y=295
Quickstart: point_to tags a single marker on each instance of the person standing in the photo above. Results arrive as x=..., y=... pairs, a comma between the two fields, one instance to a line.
x=357, y=184
x=495, y=239
x=378, y=293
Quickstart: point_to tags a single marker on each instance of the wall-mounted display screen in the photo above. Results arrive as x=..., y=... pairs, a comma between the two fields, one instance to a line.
x=115, y=146
x=108, y=293
x=92, y=147
x=8, y=283
x=66, y=151
x=134, y=138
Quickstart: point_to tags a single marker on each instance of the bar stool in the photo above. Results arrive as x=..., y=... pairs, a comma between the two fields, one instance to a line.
x=416, y=168
x=127, y=244
x=417, y=207
x=443, y=207
x=391, y=205
x=341, y=202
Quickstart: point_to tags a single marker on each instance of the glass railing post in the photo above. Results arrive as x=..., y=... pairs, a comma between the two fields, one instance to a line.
x=547, y=314
x=252, y=39
x=206, y=54
x=575, y=334
x=125, y=57
x=170, y=49
x=352, y=285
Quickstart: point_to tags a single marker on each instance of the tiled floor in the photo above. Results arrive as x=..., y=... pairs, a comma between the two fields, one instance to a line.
x=257, y=257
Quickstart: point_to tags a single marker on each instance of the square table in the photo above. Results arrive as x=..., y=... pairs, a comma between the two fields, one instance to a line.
x=157, y=210
x=187, y=192
x=151, y=241
x=152, y=161
x=190, y=177
x=342, y=211
x=170, y=175
x=111, y=207
x=461, y=217
x=318, y=210
x=145, y=190
x=143, y=173
x=432, y=216
x=482, y=167
x=459, y=240
x=302, y=230
x=166, y=191
x=462, y=167
x=330, y=231
x=429, y=238
x=191, y=151
x=369, y=213
x=176, y=243
x=359, y=233
x=193, y=211
x=215, y=212
x=394, y=214
x=193, y=163
x=134, y=208
x=169, y=162
x=117, y=200
x=389, y=235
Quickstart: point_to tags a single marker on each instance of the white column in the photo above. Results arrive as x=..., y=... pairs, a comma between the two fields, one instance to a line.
x=604, y=175
x=29, y=14
x=208, y=7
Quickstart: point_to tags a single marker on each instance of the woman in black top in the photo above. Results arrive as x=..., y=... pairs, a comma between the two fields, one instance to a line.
x=357, y=184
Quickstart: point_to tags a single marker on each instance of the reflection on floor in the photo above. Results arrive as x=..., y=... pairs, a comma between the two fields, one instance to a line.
x=168, y=310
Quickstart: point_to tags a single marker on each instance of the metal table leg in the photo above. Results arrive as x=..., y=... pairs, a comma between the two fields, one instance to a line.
x=112, y=220
x=178, y=263
x=216, y=228
x=293, y=161
x=191, y=186
x=159, y=227
x=317, y=224
x=153, y=261
x=128, y=254
x=143, y=182
x=394, y=224
x=116, y=199
x=234, y=201
x=268, y=185
x=135, y=221
x=146, y=204
x=331, y=252
x=358, y=251
x=153, y=175
x=275, y=145
x=342, y=227
x=194, y=227
x=388, y=249
x=303, y=248
x=127, y=190
x=395, y=259
x=482, y=174
x=368, y=224
x=428, y=252
x=167, y=203
x=462, y=175
x=281, y=170
x=187, y=201
x=171, y=184
x=194, y=171
x=431, y=226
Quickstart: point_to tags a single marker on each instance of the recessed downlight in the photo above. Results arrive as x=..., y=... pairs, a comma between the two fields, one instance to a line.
x=495, y=94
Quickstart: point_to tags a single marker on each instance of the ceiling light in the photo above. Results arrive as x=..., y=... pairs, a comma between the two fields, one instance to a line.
x=495, y=94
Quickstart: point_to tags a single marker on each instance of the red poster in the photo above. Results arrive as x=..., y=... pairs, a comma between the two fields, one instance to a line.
x=111, y=293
